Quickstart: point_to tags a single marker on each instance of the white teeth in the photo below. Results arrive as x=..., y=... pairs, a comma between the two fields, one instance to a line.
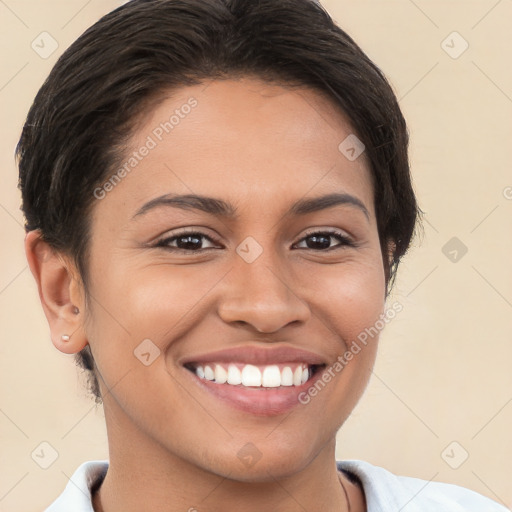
x=297, y=376
x=234, y=375
x=221, y=375
x=208, y=373
x=270, y=376
x=287, y=376
x=251, y=375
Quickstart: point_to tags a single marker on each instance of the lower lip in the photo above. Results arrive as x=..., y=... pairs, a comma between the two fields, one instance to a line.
x=260, y=401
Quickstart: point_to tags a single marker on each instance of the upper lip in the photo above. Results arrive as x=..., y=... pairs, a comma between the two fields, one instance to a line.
x=256, y=356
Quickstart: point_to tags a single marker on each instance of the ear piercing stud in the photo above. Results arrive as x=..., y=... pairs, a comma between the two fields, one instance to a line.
x=65, y=337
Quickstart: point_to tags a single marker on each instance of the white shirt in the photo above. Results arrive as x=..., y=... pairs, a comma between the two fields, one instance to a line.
x=384, y=491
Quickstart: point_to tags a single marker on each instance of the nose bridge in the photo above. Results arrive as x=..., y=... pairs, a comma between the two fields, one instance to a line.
x=263, y=279
x=259, y=292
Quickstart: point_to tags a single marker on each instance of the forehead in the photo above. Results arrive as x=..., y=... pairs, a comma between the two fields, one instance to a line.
x=247, y=141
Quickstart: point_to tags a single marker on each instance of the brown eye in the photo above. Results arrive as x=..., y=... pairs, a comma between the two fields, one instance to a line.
x=321, y=240
x=185, y=242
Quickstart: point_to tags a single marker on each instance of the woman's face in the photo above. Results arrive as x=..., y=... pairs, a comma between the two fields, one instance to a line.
x=267, y=285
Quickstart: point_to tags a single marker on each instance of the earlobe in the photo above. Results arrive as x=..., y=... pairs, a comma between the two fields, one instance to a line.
x=56, y=281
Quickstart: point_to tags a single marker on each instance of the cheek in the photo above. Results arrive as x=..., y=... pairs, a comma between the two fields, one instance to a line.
x=348, y=297
x=149, y=311
x=349, y=305
x=361, y=301
x=149, y=304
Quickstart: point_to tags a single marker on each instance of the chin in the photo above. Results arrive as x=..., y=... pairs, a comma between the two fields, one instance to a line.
x=262, y=462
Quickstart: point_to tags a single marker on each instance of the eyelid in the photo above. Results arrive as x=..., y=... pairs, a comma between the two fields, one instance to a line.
x=332, y=231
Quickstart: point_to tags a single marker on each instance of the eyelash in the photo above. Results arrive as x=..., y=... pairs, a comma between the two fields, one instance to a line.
x=164, y=243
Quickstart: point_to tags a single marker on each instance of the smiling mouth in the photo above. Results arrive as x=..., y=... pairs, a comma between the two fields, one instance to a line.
x=255, y=376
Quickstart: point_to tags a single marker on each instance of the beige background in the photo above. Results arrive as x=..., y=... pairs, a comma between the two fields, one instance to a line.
x=443, y=371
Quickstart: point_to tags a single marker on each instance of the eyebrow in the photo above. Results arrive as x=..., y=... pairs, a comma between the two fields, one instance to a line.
x=220, y=208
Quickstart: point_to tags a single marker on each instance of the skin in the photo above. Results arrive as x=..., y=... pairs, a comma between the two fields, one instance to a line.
x=172, y=446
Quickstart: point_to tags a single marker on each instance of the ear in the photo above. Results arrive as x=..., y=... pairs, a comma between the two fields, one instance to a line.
x=60, y=292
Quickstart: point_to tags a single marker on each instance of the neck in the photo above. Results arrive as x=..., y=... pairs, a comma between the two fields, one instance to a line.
x=145, y=477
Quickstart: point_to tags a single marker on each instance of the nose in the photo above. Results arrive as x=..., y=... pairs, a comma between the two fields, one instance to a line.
x=262, y=296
